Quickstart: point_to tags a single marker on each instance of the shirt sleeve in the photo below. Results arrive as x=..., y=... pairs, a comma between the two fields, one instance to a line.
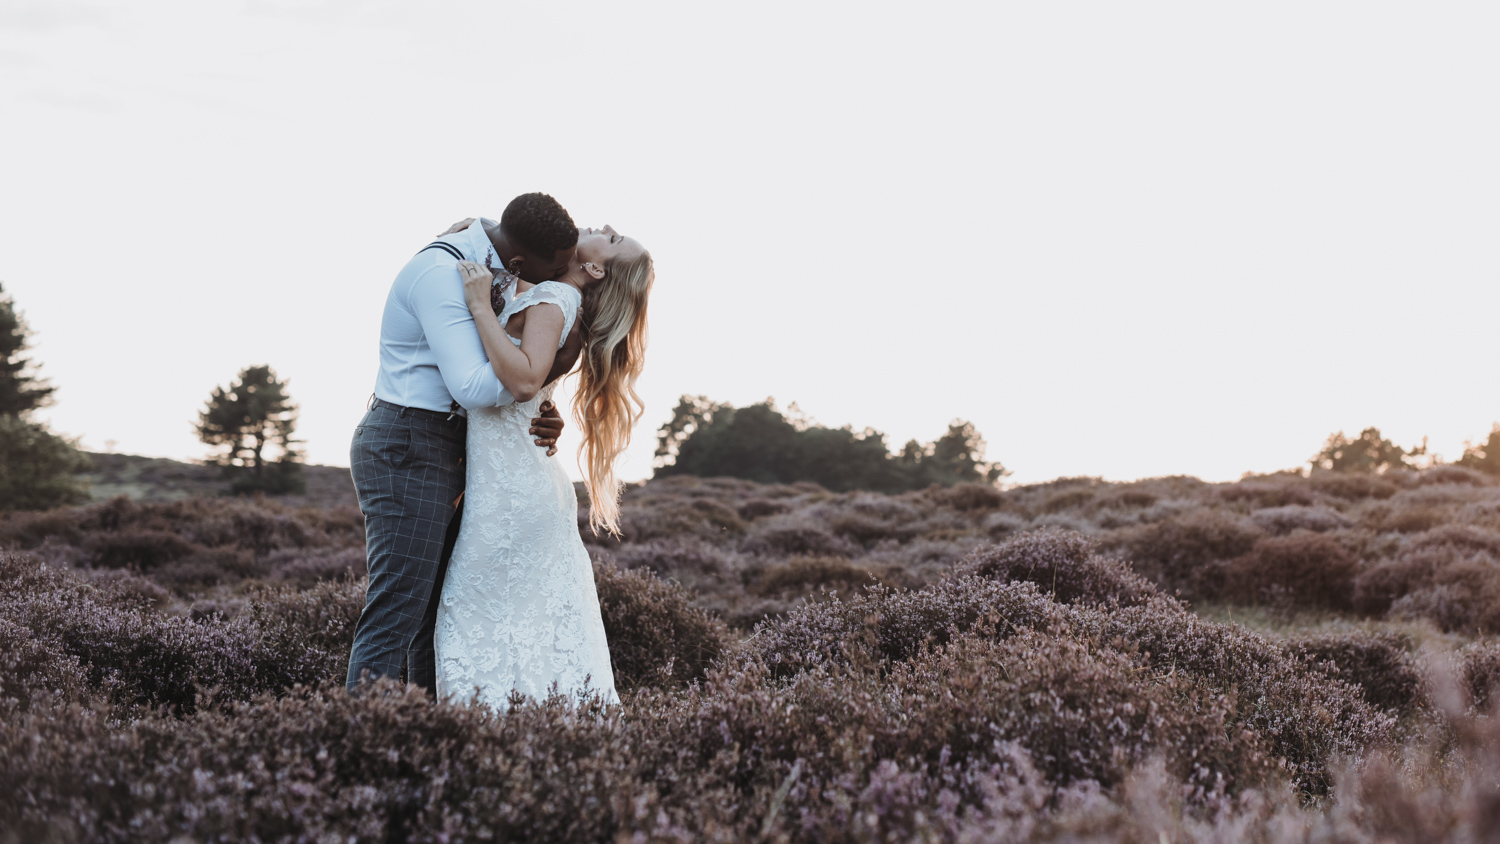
x=437, y=299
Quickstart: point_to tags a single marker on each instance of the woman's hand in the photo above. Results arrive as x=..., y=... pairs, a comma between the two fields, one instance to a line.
x=458, y=226
x=477, y=281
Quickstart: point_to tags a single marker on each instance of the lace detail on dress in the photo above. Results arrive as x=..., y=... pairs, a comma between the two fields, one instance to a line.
x=519, y=609
x=565, y=296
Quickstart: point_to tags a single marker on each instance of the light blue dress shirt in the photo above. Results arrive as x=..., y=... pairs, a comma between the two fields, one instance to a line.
x=430, y=352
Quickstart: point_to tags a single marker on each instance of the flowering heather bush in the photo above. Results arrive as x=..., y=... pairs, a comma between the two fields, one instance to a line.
x=1381, y=665
x=1294, y=517
x=1065, y=565
x=173, y=672
x=1304, y=569
x=676, y=556
x=804, y=574
x=304, y=635
x=1307, y=719
x=1479, y=673
x=1449, y=575
x=1352, y=486
x=1179, y=552
x=33, y=668
x=781, y=536
x=655, y=634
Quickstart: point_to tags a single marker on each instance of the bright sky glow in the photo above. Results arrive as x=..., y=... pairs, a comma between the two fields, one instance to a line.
x=1125, y=239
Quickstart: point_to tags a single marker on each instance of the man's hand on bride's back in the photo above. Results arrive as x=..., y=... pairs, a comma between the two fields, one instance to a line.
x=547, y=427
x=458, y=226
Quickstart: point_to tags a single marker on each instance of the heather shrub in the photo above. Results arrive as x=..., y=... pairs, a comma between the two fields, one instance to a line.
x=305, y=567
x=141, y=657
x=973, y=496
x=1465, y=537
x=1479, y=673
x=1065, y=565
x=1294, y=517
x=920, y=560
x=304, y=635
x=675, y=516
x=788, y=538
x=805, y=574
x=1068, y=522
x=139, y=548
x=1351, y=486
x=1001, y=524
x=895, y=623
x=33, y=669
x=1449, y=576
x=1446, y=607
x=1307, y=719
x=857, y=527
x=1068, y=499
x=1128, y=497
x=1379, y=663
x=133, y=588
x=1269, y=491
x=757, y=508
x=656, y=636
x=1387, y=517
x=1304, y=569
x=676, y=555
x=720, y=515
x=1451, y=474
x=1176, y=552
x=1084, y=713
x=208, y=567
x=1032, y=690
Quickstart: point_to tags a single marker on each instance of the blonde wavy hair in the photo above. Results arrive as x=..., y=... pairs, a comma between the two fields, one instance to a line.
x=606, y=405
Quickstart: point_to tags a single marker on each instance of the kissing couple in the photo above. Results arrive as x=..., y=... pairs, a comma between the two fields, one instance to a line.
x=480, y=585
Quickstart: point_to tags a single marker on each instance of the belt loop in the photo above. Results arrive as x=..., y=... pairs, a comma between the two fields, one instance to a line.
x=371, y=403
x=402, y=414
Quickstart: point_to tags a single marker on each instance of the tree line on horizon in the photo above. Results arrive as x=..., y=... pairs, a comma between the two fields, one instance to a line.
x=761, y=443
x=250, y=426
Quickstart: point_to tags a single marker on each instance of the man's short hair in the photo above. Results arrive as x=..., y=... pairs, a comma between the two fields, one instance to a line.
x=537, y=223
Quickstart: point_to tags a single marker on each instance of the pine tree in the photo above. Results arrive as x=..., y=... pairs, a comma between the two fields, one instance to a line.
x=21, y=391
x=38, y=469
x=250, y=422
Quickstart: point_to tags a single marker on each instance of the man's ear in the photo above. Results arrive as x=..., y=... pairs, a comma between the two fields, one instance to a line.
x=514, y=264
x=595, y=271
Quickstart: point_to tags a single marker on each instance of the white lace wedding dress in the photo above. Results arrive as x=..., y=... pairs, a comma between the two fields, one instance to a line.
x=519, y=609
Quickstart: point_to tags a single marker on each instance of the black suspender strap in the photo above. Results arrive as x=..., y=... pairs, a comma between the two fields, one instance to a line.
x=446, y=247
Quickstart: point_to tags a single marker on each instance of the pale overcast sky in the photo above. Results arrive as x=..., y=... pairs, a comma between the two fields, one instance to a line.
x=1125, y=239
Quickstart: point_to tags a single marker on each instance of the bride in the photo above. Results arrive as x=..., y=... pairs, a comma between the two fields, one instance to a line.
x=519, y=611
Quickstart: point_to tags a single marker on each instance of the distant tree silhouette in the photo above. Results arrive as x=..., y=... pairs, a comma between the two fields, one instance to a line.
x=955, y=457
x=1368, y=453
x=21, y=391
x=248, y=422
x=38, y=469
x=1486, y=455
x=760, y=443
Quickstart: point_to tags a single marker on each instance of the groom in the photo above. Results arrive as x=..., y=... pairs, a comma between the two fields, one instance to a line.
x=408, y=451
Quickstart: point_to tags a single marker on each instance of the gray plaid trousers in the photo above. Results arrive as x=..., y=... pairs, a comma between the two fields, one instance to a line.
x=408, y=471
